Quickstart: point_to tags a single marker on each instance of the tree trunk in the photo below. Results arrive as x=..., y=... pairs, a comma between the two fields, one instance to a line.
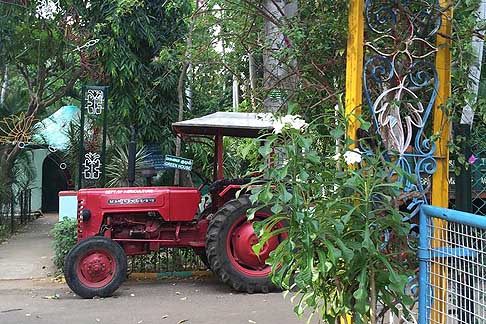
x=236, y=93
x=3, y=92
x=277, y=76
x=181, y=88
x=252, y=77
x=6, y=180
x=189, y=74
x=467, y=116
x=180, y=95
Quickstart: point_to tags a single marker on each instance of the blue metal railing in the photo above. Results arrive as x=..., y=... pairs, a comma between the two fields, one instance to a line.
x=452, y=274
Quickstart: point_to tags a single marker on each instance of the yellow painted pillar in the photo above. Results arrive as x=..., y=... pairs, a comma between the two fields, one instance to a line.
x=354, y=66
x=440, y=179
x=354, y=78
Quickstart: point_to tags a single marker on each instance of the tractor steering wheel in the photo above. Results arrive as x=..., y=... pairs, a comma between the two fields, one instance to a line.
x=205, y=181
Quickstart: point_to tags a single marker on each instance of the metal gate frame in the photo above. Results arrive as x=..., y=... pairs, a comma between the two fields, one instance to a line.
x=455, y=241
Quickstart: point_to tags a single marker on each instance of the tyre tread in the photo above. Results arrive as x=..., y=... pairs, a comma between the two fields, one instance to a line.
x=72, y=279
x=216, y=251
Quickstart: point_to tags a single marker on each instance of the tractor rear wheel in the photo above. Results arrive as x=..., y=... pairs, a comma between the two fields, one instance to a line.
x=229, y=242
x=96, y=266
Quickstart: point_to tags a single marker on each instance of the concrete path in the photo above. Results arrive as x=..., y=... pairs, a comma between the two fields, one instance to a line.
x=29, y=295
x=28, y=254
x=189, y=301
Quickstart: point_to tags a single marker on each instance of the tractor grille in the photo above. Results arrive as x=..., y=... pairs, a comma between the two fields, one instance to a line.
x=80, y=219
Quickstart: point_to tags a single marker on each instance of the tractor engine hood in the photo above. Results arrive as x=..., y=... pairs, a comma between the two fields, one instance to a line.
x=174, y=204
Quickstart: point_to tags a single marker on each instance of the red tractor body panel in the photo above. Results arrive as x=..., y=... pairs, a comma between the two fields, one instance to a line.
x=173, y=204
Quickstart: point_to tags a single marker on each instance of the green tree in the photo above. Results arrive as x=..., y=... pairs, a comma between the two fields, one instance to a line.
x=41, y=47
x=139, y=46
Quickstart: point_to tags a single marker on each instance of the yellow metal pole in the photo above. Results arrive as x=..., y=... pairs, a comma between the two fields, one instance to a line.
x=354, y=78
x=354, y=67
x=440, y=179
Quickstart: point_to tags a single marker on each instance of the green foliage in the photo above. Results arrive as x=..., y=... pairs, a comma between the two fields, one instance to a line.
x=240, y=157
x=236, y=29
x=43, y=65
x=117, y=167
x=334, y=256
x=465, y=26
x=166, y=260
x=41, y=52
x=139, y=44
x=64, y=236
x=315, y=46
x=22, y=174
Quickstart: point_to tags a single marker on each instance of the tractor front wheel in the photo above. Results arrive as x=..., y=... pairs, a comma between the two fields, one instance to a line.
x=96, y=266
x=229, y=248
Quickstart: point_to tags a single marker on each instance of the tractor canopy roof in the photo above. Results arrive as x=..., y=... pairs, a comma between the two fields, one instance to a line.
x=235, y=124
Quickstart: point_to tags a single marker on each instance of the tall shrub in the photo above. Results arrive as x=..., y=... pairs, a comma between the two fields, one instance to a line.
x=64, y=234
x=338, y=256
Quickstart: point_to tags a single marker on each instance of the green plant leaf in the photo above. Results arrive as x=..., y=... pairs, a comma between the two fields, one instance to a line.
x=337, y=133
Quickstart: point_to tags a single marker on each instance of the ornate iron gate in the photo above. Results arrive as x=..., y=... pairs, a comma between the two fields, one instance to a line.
x=402, y=51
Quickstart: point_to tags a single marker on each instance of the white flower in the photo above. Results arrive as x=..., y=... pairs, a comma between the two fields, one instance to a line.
x=277, y=127
x=69, y=20
x=352, y=157
x=336, y=156
x=299, y=124
x=287, y=121
x=292, y=121
x=47, y=9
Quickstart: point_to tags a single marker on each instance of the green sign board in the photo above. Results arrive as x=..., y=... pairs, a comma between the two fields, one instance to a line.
x=276, y=94
x=176, y=162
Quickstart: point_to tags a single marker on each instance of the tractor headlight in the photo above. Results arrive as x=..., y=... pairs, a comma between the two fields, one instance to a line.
x=85, y=215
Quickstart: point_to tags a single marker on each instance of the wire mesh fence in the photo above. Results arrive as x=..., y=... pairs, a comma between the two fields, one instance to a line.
x=16, y=212
x=479, y=184
x=478, y=167
x=455, y=270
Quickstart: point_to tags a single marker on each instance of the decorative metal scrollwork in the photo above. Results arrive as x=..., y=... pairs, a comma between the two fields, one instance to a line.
x=92, y=166
x=94, y=101
x=93, y=136
x=16, y=129
x=400, y=85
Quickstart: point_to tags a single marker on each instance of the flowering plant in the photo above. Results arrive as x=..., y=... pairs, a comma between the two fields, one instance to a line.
x=287, y=121
x=47, y=9
x=335, y=256
x=352, y=157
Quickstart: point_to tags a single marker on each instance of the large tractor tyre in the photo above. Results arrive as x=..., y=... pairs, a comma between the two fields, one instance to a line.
x=229, y=243
x=96, y=266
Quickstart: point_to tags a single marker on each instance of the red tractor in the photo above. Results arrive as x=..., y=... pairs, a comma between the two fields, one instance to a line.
x=116, y=222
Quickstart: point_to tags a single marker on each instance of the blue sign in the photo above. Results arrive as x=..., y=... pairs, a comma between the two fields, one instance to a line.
x=155, y=159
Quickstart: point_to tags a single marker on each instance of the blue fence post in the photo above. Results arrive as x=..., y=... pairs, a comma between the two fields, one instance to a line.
x=423, y=256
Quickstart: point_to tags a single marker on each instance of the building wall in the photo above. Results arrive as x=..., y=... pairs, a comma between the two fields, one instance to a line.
x=38, y=157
